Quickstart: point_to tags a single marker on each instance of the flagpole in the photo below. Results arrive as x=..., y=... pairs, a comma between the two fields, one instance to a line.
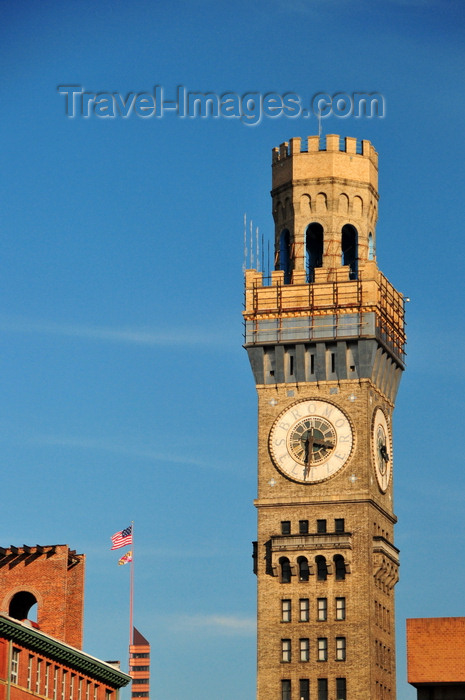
x=131, y=591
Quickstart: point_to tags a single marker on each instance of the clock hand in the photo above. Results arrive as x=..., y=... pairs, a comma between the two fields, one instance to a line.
x=384, y=453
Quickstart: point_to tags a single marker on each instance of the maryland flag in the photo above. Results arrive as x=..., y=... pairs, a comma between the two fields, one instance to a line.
x=125, y=559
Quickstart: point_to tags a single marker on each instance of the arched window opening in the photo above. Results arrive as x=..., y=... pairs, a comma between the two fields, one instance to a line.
x=285, y=565
x=339, y=567
x=371, y=247
x=285, y=255
x=23, y=606
x=314, y=249
x=321, y=568
x=304, y=571
x=349, y=246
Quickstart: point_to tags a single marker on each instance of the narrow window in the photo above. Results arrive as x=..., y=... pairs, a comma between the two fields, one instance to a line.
x=72, y=682
x=285, y=255
x=285, y=527
x=349, y=246
x=304, y=610
x=95, y=691
x=39, y=676
x=341, y=693
x=286, y=650
x=304, y=689
x=312, y=364
x=340, y=608
x=305, y=649
x=285, y=690
x=286, y=615
x=63, y=684
x=321, y=527
x=322, y=689
x=55, y=682
x=14, y=665
x=29, y=671
x=340, y=648
x=285, y=571
x=88, y=684
x=303, y=568
x=322, y=649
x=333, y=362
x=340, y=567
x=314, y=249
x=303, y=527
x=339, y=525
x=47, y=679
x=371, y=247
x=80, y=682
x=321, y=568
x=322, y=609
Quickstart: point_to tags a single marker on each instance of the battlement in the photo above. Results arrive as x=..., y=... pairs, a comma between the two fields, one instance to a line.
x=10, y=554
x=319, y=157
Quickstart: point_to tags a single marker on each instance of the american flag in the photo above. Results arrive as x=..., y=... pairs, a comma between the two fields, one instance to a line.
x=122, y=538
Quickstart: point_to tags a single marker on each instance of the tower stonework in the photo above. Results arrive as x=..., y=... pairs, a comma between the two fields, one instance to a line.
x=325, y=339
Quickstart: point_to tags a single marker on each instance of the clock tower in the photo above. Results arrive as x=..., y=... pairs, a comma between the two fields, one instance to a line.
x=325, y=339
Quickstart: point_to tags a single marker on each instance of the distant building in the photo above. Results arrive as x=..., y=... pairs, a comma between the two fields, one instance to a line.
x=436, y=657
x=43, y=656
x=139, y=653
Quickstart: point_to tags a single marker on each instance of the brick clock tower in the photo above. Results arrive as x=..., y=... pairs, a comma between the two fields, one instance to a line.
x=325, y=339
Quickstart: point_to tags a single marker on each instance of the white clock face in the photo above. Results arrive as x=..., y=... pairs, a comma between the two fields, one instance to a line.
x=382, y=450
x=311, y=441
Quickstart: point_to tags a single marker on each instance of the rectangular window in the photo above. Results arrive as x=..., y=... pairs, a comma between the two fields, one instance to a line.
x=72, y=682
x=286, y=650
x=305, y=649
x=47, y=679
x=340, y=608
x=322, y=614
x=80, y=682
x=55, y=682
x=285, y=527
x=303, y=527
x=339, y=525
x=107, y=694
x=304, y=610
x=88, y=684
x=14, y=665
x=30, y=659
x=341, y=692
x=286, y=614
x=322, y=649
x=304, y=689
x=95, y=692
x=321, y=526
x=64, y=676
x=322, y=689
x=340, y=648
x=39, y=676
x=286, y=690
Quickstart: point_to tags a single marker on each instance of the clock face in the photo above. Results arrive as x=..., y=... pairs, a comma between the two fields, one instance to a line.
x=382, y=449
x=311, y=441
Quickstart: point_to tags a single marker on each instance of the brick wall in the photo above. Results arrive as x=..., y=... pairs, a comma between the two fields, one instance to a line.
x=436, y=650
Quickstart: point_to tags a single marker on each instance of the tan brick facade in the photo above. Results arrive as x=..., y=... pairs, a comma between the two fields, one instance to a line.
x=321, y=341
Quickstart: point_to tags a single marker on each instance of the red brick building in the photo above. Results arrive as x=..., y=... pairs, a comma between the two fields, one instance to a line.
x=41, y=627
x=436, y=657
x=139, y=653
x=33, y=664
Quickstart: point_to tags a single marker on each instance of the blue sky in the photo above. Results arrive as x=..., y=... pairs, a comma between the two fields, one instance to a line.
x=126, y=394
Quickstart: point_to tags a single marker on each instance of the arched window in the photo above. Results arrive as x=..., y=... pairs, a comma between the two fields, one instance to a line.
x=321, y=568
x=304, y=571
x=285, y=566
x=21, y=605
x=314, y=249
x=371, y=247
x=285, y=255
x=349, y=247
x=339, y=567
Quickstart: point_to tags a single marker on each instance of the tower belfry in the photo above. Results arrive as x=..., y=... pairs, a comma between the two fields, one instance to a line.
x=325, y=339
